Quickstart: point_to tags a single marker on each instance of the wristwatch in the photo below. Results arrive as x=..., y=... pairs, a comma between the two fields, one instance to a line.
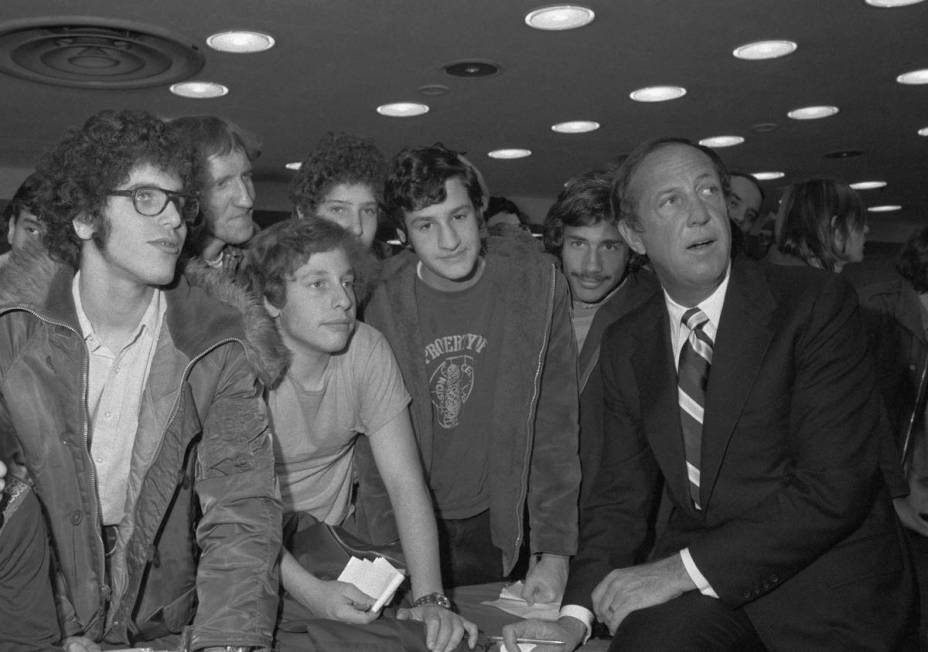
x=439, y=599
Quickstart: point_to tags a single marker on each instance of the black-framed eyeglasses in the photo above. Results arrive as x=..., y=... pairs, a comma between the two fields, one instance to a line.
x=151, y=201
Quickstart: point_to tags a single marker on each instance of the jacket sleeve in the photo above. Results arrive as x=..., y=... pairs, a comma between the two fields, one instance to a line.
x=554, y=477
x=828, y=489
x=239, y=533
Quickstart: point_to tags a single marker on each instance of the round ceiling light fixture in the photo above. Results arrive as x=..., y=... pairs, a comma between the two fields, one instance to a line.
x=768, y=175
x=433, y=90
x=557, y=18
x=295, y=165
x=509, y=153
x=721, y=141
x=885, y=208
x=892, y=3
x=759, y=50
x=403, y=109
x=657, y=93
x=199, y=90
x=240, y=41
x=575, y=127
x=914, y=77
x=813, y=112
x=923, y=131
x=472, y=68
x=868, y=185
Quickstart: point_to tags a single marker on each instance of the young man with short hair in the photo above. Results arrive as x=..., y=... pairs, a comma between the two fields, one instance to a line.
x=23, y=225
x=343, y=383
x=481, y=331
x=133, y=398
x=223, y=154
x=606, y=282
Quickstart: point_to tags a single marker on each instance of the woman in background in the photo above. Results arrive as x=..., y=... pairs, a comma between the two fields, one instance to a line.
x=820, y=223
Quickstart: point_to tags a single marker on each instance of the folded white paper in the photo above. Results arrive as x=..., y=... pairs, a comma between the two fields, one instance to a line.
x=378, y=579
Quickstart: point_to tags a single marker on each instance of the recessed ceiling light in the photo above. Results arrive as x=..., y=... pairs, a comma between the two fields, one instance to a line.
x=403, y=109
x=923, y=131
x=240, y=42
x=885, y=208
x=510, y=153
x=575, y=127
x=812, y=112
x=891, y=3
x=559, y=17
x=296, y=165
x=768, y=176
x=471, y=68
x=433, y=90
x=721, y=141
x=764, y=50
x=200, y=90
x=914, y=77
x=844, y=153
x=868, y=185
x=657, y=93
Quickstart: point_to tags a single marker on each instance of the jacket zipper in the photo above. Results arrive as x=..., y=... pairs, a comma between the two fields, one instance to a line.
x=117, y=598
x=523, y=485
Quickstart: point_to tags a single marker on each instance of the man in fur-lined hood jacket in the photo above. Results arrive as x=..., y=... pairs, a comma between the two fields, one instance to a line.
x=132, y=399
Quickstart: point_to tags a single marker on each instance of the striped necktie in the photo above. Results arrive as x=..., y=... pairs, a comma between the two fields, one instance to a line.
x=692, y=379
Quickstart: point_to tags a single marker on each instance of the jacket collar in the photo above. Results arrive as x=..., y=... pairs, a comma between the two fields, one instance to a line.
x=32, y=280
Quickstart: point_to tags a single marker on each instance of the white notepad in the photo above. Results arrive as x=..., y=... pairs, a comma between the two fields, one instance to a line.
x=378, y=579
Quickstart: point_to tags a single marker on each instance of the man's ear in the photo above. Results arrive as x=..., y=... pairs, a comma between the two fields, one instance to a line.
x=401, y=236
x=11, y=230
x=83, y=227
x=632, y=237
x=272, y=310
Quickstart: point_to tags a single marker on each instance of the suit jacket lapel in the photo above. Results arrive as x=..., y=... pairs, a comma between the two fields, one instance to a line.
x=741, y=342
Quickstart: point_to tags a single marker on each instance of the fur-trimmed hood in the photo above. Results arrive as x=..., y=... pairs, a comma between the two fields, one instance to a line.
x=31, y=279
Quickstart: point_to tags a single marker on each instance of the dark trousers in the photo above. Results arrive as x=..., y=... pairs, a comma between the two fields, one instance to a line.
x=467, y=553
x=690, y=623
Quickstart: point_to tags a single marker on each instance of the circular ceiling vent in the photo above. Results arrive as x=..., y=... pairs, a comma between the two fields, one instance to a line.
x=95, y=53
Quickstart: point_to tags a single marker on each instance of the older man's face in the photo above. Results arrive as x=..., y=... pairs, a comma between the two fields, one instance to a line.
x=744, y=200
x=682, y=221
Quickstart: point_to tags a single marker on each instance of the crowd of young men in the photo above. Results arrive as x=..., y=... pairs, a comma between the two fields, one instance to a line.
x=174, y=390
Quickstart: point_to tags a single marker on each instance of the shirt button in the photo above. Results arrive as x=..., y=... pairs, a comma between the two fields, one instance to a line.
x=108, y=415
x=76, y=517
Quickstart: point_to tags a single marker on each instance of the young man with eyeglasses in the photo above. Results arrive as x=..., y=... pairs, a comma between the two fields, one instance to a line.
x=130, y=399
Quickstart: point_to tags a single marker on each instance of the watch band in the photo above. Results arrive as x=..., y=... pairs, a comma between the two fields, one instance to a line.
x=439, y=599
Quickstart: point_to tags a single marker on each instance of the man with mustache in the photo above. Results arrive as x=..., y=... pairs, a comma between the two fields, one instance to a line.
x=131, y=399
x=606, y=282
x=742, y=393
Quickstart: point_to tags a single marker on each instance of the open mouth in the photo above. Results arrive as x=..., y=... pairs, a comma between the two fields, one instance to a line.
x=701, y=244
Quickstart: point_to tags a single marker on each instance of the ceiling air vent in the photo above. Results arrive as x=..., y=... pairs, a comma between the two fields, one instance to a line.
x=95, y=53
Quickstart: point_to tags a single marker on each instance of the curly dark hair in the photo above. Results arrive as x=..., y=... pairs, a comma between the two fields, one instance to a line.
x=90, y=161
x=337, y=158
x=276, y=253
x=913, y=261
x=417, y=179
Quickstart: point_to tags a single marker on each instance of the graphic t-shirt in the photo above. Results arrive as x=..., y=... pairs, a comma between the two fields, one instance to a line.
x=315, y=431
x=460, y=340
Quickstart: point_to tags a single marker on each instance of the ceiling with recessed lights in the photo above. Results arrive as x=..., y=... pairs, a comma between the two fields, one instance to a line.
x=490, y=82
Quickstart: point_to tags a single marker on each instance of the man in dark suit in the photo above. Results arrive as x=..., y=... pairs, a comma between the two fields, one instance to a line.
x=744, y=393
